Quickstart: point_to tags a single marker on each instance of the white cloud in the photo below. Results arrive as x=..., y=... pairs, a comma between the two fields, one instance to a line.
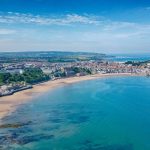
x=100, y=34
x=19, y=18
x=69, y=19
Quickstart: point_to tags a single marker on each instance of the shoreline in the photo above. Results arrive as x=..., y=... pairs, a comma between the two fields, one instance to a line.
x=9, y=104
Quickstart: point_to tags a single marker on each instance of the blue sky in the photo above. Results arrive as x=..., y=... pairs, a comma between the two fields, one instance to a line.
x=107, y=26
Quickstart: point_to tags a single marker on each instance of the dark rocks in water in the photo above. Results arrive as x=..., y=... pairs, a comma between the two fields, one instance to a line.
x=8, y=138
x=78, y=119
x=10, y=125
x=2, y=140
x=75, y=118
x=15, y=125
x=87, y=142
x=21, y=130
x=33, y=138
x=83, y=119
x=15, y=138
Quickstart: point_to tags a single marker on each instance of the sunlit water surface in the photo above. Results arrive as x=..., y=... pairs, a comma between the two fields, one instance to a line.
x=103, y=114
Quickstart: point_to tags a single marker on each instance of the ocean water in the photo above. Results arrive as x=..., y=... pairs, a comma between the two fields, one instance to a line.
x=129, y=57
x=103, y=114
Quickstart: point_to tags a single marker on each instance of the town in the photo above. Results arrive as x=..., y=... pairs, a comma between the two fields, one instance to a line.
x=21, y=73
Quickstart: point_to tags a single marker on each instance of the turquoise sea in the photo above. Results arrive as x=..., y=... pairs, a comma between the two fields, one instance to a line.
x=103, y=114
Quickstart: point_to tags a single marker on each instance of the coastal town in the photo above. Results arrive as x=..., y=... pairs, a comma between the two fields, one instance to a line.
x=22, y=75
x=74, y=74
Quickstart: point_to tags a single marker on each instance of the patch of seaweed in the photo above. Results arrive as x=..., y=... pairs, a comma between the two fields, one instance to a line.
x=77, y=118
x=22, y=140
x=14, y=125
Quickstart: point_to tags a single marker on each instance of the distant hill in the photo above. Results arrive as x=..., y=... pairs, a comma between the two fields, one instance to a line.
x=51, y=56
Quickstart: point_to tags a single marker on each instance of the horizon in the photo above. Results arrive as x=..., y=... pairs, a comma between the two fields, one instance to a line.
x=62, y=51
x=130, y=55
x=109, y=27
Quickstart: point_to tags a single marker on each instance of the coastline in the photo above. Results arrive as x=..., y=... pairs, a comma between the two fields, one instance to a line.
x=8, y=104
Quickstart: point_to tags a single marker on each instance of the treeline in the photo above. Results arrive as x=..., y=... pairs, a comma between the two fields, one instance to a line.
x=30, y=75
x=71, y=71
x=80, y=70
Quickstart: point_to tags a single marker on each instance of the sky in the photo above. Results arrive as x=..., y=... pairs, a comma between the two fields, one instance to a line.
x=105, y=26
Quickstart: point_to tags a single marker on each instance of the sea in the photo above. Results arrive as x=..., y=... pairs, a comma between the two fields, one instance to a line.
x=129, y=57
x=111, y=113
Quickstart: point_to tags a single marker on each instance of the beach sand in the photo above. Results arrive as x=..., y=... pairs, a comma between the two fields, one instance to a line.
x=8, y=104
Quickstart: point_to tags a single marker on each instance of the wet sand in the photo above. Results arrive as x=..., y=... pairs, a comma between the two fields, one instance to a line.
x=8, y=104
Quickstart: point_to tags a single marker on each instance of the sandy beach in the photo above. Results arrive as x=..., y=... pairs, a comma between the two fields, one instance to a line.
x=8, y=104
